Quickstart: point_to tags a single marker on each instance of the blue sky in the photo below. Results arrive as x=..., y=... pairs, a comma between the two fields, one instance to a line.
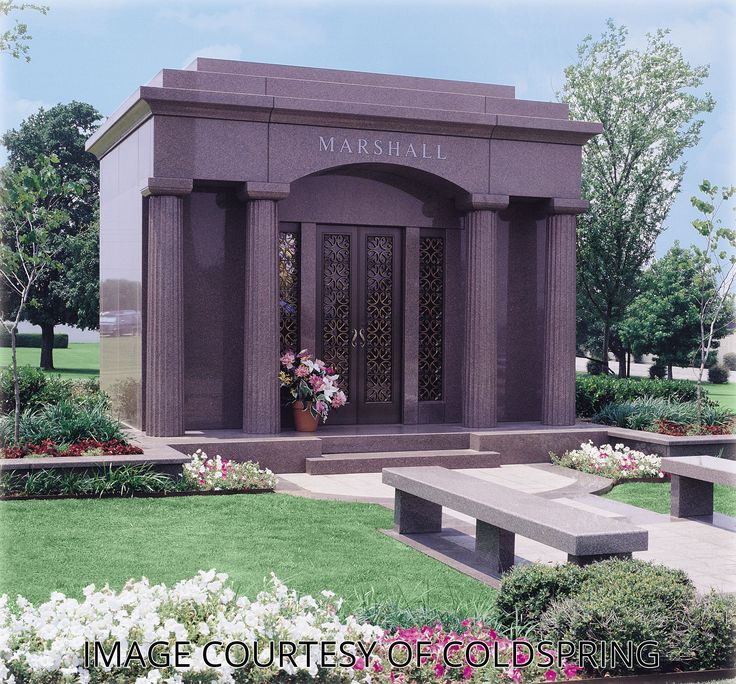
x=100, y=51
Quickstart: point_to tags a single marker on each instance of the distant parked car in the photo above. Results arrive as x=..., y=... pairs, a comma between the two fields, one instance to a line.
x=119, y=323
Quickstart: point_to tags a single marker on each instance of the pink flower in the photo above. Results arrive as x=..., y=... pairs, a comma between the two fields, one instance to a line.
x=467, y=672
x=339, y=399
x=514, y=673
x=439, y=670
x=550, y=675
x=316, y=382
x=359, y=664
x=302, y=372
x=377, y=667
x=287, y=360
x=571, y=670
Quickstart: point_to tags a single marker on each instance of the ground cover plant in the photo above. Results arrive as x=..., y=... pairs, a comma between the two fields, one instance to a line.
x=669, y=417
x=655, y=496
x=616, y=462
x=45, y=644
x=621, y=600
x=593, y=392
x=311, y=544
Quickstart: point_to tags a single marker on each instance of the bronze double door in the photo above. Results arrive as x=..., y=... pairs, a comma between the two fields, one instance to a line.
x=359, y=318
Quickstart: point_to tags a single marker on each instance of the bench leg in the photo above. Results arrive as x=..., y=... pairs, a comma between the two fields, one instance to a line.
x=413, y=515
x=691, y=497
x=496, y=545
x=587, y=560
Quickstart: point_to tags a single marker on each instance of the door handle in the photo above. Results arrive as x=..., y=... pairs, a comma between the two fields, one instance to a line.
x=362, y=338
x=355, y=337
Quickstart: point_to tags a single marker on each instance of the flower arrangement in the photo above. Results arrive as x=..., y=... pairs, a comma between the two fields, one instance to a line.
x=311, y=382
x=47, y=643
x=617, y=462
x=214, y=474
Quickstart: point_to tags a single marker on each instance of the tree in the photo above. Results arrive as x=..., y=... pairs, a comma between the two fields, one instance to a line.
x=14, y=41
x=715, y=267
x=664, y=319
x=29, y=216
x=631, y=173
x=67, y=292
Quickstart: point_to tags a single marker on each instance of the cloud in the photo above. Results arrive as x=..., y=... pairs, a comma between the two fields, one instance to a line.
x=222, y=51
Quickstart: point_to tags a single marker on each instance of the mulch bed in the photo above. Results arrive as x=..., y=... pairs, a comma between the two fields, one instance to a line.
x=134, y=495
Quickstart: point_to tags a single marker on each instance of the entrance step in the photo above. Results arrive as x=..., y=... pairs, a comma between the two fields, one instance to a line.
x=372, y=442
x=372, y=462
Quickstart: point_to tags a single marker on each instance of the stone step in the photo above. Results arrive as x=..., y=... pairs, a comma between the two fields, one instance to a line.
x=373, y=462
x=372, y=442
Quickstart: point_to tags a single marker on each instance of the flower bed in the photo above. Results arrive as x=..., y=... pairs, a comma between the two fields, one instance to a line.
x=617, y=462
x=213, y=474
x=84, y=447
x=47, y=643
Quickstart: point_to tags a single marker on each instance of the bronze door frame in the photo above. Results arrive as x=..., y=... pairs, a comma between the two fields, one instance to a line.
x=368, y=327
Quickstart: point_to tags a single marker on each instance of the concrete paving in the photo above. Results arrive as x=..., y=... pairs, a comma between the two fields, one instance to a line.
x=705, y=548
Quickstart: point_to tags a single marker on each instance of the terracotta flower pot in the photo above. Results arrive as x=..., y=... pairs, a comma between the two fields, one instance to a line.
x=304, y=421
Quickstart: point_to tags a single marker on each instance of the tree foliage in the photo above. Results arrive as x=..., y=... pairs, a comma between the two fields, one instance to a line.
x=68, y=292
x=30, y=215
x=664, y=319
x=15, y=40
x=631, y=172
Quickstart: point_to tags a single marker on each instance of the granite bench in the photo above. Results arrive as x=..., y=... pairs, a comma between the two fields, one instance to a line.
x=501, y=513
x=693, y=478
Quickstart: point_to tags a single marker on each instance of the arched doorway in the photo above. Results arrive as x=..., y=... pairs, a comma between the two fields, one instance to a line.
x=366, y=256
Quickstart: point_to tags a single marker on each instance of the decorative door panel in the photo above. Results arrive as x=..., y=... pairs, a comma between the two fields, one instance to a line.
x=358, y=323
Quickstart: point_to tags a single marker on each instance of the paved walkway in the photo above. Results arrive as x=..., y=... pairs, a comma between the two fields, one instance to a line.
x=705, y=549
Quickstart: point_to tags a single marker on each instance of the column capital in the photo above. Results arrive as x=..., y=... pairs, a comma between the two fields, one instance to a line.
x=253, y=190
x=560, y=205
x=474, y=201
x=166, y=186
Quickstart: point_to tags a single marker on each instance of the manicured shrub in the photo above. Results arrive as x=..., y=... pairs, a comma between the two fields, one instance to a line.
x=528, y=590
x=33, y=340
x=31, y=382
x=38, y=388
x=712, y=637
x=657, y=370
x=65, y=423
x=718, y=375
x=593, y=392
x=622, y=601
x=594, y=367
x=729, y=361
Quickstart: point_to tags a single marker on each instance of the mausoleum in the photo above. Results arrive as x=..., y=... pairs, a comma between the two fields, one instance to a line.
x=417, y=234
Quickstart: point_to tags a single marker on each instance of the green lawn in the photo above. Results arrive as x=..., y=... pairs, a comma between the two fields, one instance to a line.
x=310, y=544
x=80, y=360
x=655, y=496
x=725, y=394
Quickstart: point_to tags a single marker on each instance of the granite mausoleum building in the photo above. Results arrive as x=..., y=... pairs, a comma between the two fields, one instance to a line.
x=417, y=234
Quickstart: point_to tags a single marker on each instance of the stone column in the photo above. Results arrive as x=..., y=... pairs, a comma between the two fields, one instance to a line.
x=558, y=374
x=480, y=358
x=164, y=379
x=261, y=406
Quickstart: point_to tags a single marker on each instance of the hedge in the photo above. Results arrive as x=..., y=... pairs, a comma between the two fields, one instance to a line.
x=61, y=341
x=594, y=392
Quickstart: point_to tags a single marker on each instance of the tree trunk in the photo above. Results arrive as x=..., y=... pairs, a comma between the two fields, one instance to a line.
x=47, y=346
x=606, y=343
x=669, y=372
x=16, y=388
x=621, y=358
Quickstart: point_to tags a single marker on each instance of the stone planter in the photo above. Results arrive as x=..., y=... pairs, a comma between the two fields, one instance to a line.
x=304, y=421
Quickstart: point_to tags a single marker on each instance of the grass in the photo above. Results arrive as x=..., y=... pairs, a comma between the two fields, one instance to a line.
x=80, y=360
x=724, y=394
x=655, y=496
x=310, y=544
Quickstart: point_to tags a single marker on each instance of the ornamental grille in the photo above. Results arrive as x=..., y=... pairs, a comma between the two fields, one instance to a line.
x=289, y=291
x=336, y=306
x=379, y=317
x=431, y=305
